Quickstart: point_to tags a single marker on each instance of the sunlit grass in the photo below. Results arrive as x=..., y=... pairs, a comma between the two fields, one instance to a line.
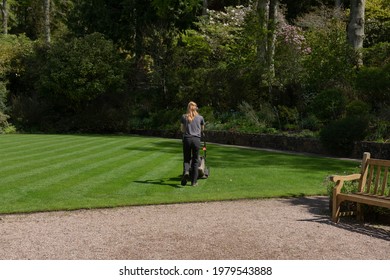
x=63, y=172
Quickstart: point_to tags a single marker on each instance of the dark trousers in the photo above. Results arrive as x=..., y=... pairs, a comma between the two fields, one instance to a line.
x=191, y=147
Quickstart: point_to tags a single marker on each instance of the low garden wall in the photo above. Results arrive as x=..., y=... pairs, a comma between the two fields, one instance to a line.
x=279, y=142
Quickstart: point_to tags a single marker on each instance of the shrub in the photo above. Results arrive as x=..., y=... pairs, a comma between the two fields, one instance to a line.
x=3, y=116
x=380, y=126
x=3, y=121
x=374, y=85
x=311, y=122
x=340, y=135
x=12, y=49
x=331, y=60
x=76, y=85
x=358, y=108
x=328, y=105
x=166, y=119
x=288, y=117
x=81, y=70
x=249, y=113
x=377, y=55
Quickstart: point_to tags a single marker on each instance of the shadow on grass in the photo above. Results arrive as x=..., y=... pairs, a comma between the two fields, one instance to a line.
x=172, y=182
x=247, y=158
x=167, y=146
x=319, y=207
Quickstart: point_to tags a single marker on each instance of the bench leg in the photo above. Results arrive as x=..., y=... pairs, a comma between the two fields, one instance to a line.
x=335, y=210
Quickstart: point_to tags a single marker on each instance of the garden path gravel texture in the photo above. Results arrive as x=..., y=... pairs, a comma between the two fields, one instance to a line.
x=272, y=229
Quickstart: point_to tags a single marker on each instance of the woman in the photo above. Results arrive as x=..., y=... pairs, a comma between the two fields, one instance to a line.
x=192, y=125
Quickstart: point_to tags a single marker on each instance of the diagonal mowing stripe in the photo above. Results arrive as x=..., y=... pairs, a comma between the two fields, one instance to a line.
x=112, y=168
x=43, y=165
x=15, y=142
x=46, y=154
x=59, y=147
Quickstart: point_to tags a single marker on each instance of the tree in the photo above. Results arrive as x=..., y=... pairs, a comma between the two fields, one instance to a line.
x=47, y=22
x=204, y=8
x=4, y=13
x=81, y=70
x=272, y=23
x=299, y=8
x=267, y=12
x=356, y=28
x=12, y=48
x=329, y=64
x=377, y=22
x=262, y=10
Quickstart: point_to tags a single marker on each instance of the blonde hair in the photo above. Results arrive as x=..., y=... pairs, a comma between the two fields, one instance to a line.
x=192, y=111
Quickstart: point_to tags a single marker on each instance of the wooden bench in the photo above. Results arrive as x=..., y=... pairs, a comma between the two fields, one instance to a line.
x=373, y=188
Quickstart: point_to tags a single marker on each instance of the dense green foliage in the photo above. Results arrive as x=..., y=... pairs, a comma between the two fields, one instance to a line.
x=114, y=66
x=63, y=172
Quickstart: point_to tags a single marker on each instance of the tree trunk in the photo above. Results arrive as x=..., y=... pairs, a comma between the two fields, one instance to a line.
x=272, y=22
x=47, y=22
x=204, y=9
x=356, y=28
x=4, y=13
x=267, y=12
x=262, y=9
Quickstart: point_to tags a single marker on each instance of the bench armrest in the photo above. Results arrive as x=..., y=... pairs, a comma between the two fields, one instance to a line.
x=335, y=178
x=340, y=179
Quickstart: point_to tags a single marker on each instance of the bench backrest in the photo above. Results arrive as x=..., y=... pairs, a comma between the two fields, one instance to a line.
x=375, y=176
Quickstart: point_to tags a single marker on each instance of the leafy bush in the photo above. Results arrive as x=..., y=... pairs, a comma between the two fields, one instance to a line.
x=249, y=113
x=76, y=85
x=358, y=108
x=377, y=24
x=328, y=105
x=380, y=125
x=207, y=113
x=81, y=70
x=12, y=48
x=377, y=55
x=311, y=122
x=288, y=117
x=166, y=119
x=3, y=116
x=340, y=135
x=374, y=85
x=3, y=121
x=380, y=131
x=331, y=60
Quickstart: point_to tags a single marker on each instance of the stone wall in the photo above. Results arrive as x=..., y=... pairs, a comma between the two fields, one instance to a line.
x=278, y=142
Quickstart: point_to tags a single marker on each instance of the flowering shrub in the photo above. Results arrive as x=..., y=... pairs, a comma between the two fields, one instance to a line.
x=292, y=36
x=291, y=47
x=222, y=27
x=233, y=16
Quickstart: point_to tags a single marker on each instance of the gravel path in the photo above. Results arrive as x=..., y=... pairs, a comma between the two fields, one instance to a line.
x=274, y=229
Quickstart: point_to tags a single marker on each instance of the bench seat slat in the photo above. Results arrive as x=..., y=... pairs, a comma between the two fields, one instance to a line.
x=374, y=195
x=366, y=199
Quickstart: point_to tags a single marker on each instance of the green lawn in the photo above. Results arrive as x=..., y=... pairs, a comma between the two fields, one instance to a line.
x=61, y=172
